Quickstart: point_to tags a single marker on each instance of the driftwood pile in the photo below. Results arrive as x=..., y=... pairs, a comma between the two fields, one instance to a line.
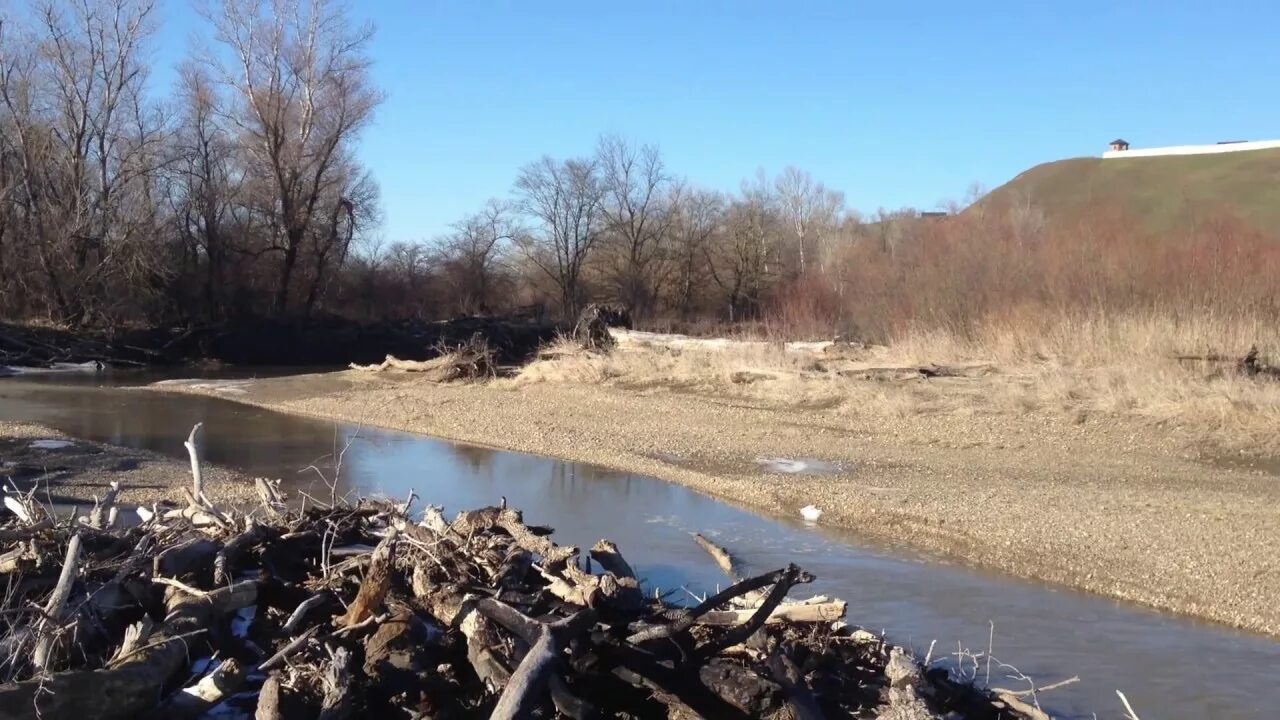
x=1251, y=364
x=47, y=347
x=470, y=360
x=336, y=611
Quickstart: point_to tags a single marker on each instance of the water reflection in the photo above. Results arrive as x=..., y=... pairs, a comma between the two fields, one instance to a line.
x=1169, y=667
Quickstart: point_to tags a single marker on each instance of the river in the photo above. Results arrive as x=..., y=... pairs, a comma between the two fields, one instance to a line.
x=1169, y=667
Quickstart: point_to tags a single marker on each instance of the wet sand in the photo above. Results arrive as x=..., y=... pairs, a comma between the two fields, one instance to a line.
x=1107, y=505
x=69, y=471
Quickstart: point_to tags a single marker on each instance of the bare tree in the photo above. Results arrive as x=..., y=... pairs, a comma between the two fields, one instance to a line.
x=638, y=199
x=410, y=268
x=743, y=262
x=202, y=193
x=300, y=77
x=697, y=217
x=473, y=252
x=809, y=209
x=84, y=145
x=331, y=242
x=564, y=199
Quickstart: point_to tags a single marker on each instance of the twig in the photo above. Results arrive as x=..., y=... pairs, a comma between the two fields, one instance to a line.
x=1131, y=715
x=179, y=585
x=1033, y=691
x=991, y=641
x=300, y=612
x=162, y=641
x=371, y=620
x=283, y=654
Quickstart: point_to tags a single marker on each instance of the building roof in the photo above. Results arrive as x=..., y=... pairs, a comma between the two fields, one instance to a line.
x=1119, y=141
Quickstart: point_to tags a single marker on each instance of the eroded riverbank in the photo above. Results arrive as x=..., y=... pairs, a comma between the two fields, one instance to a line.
x=1102, y=506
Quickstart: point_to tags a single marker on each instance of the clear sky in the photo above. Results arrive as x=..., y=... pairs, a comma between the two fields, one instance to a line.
x=896, y=104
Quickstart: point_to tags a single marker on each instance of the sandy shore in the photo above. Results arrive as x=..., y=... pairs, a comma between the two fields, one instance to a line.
x=66, y=470
x=1104, y=504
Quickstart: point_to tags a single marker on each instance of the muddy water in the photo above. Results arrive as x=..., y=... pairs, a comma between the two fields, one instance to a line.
x=1168, y=667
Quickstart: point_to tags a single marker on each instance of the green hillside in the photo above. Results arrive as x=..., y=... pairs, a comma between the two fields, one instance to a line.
x=1163, y=191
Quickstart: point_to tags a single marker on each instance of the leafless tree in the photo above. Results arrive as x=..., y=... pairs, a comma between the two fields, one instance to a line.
x=411, y=277
x=299, y=74
x=203, y=192
x=639, y=197
x=473, y=253
x=698, y=216
x=743, y=262
x=85, y=147
x=809, y=209
x=563, y=198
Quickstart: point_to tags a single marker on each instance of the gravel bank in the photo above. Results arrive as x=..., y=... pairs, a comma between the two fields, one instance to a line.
x=1100, y=503
x=67, y=470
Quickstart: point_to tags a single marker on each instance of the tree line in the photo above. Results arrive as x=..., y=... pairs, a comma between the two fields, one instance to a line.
x=240, y=195
x=619, y=226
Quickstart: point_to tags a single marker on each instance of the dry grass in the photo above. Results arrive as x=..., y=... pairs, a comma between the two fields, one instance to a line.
x=1079, y=367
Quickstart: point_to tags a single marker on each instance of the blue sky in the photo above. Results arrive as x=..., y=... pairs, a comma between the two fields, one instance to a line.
x=896, y=104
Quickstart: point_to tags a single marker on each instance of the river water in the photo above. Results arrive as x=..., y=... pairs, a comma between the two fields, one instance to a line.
x=1169, y=667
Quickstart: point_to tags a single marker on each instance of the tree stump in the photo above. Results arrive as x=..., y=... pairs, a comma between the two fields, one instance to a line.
x=592, y=329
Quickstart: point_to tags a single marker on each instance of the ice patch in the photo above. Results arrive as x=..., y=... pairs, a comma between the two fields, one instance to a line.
x=671, y=520
x=242, y=620
x=50, y=444
x=797, y=466
x=225, y=387
x=783, y=465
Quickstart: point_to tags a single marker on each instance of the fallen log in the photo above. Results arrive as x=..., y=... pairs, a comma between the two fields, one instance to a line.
x=546, y=640
x=471, y=360
x=727, y=565
x=130, y=687
x=1250, y=364
x=785, y=613
x=722, y=557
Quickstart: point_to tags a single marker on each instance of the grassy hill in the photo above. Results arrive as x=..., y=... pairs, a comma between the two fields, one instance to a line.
x=1162, y=191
